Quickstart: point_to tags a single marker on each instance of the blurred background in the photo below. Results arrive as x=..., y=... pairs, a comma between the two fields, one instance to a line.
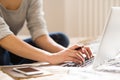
x=76, y=18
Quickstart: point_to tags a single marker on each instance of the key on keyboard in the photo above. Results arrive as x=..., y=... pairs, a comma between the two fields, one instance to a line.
x=72, y=64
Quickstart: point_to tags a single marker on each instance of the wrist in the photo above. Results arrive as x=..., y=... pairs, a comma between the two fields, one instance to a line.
x=52, y=59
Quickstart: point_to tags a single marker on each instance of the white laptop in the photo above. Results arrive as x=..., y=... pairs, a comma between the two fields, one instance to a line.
x=109, y=47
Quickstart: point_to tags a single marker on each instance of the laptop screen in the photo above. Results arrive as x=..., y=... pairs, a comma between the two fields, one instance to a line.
x=110, y=43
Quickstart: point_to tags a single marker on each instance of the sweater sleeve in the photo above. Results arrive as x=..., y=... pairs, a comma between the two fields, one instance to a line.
x=4, y=29
x=35, y=19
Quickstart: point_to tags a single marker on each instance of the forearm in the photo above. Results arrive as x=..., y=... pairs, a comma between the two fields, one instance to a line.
x=20, y=48
x=46, y=43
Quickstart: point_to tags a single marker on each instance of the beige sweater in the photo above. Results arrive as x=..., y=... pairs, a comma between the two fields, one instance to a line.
x=11, y=21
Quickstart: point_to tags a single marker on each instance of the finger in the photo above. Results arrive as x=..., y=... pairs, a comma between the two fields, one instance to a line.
x=78, y=56
x=86, y=53
x=76, y=47
x=89, y=51
x=79, y=48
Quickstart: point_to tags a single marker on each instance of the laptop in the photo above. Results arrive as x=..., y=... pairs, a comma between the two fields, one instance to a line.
x=109, y=48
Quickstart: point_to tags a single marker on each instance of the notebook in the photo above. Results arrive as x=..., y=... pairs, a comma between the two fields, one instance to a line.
x=109, y=47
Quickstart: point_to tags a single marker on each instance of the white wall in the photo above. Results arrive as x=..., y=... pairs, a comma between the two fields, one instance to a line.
x=93, y=15
x=54, y=14
x=62, y=15
x=77, y=18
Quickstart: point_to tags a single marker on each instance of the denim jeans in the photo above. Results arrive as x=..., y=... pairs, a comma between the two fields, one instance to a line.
x=7, y=58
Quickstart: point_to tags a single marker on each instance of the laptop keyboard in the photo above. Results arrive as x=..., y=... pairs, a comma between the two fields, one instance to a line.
x=73, y=64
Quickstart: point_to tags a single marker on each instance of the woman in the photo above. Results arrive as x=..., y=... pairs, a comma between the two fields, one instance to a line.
x=13, y=14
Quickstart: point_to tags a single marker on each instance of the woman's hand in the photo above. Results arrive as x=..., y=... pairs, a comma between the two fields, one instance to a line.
x=75, y=53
